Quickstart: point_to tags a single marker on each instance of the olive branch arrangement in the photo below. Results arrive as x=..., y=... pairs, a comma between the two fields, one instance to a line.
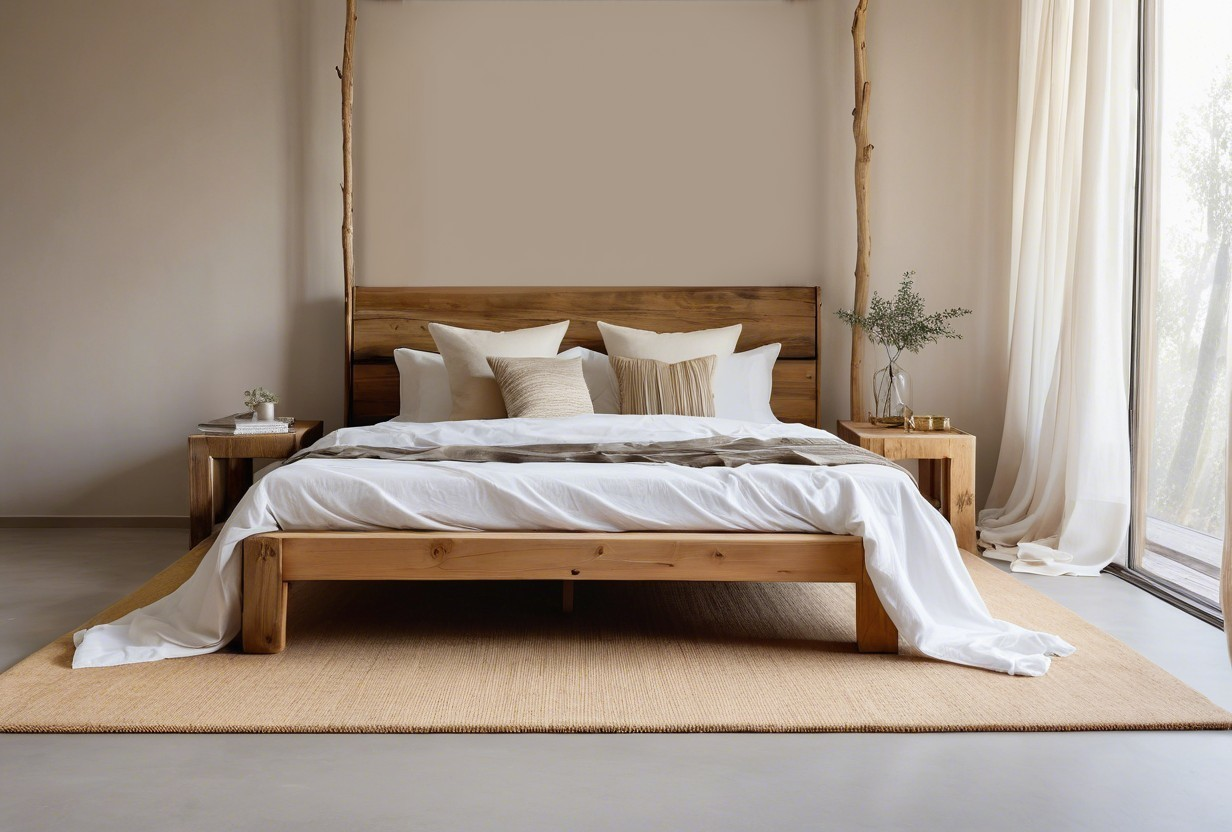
x=902, y=324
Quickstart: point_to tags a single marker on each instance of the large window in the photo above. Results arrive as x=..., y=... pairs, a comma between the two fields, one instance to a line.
x=1182, y=322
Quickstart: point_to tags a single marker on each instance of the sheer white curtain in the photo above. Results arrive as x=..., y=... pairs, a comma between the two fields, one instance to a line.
x=1060, y=499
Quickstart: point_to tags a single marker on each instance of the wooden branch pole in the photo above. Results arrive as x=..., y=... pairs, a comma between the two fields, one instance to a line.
x=347, y=76
x=864, y=236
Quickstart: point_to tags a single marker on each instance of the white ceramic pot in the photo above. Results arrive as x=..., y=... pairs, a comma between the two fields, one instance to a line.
x=265, y=411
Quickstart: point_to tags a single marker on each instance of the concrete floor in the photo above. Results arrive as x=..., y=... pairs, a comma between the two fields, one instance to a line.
x=51, y=580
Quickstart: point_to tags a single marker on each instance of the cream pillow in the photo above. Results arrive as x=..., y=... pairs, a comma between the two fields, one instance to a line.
x=649, y=387
x=668, y=346
x=472, y=386
x=542, y=388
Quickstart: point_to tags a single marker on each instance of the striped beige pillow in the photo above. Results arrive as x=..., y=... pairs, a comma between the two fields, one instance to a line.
x=651, y=387
x=542, y=388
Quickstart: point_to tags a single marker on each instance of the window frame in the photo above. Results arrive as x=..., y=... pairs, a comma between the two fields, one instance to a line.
x=1145, y=260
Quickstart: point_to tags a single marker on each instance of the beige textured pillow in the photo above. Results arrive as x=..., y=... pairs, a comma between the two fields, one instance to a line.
x=542, y=388
x=472, y=387
x=668, y=346
x=650, y=387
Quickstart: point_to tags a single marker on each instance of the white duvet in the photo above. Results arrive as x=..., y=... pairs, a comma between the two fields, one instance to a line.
x=909, y=548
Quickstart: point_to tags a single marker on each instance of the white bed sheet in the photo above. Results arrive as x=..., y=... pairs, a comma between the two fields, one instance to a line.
x=909, y=548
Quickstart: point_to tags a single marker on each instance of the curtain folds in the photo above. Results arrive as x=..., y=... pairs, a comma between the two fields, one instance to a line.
x=1060, y=498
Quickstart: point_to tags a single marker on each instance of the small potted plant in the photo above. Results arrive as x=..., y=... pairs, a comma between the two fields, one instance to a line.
x=261, y=402
x=897, y=325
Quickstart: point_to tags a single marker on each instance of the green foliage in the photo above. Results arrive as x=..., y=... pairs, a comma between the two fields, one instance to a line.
x=1204, y=150
x=1192, y=495
x=259, y=395
x=902, y=324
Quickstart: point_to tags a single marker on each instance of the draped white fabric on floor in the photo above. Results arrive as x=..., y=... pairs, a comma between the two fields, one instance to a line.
x=1060, y=499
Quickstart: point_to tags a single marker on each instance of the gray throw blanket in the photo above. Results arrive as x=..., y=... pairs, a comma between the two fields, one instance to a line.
x=719, y=451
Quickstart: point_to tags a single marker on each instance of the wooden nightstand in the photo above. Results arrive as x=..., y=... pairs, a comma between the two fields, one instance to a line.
x=947, y=468
x=220, y=470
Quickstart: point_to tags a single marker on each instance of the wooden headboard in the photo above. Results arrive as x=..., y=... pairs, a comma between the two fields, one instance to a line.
x=384, y=319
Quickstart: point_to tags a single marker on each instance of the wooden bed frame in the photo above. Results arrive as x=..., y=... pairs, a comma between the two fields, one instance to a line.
x=380, y=320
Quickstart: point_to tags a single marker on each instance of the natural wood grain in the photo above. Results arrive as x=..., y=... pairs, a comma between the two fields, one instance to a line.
x=864, y=235
x=236, y=479
x=200, y=492
x=793, y=399
x=262, y=445
x=931, y=479
x=376, y=396
x=346, y=76
x=960, y=493
x=264, y=606
x=388, y=318
x=947, y=472
x=271, y=560
x=875, y=632
x=594, y=556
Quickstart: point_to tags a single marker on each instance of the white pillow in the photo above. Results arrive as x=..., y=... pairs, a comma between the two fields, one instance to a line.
x=743, y=383
x=600, y=380
x=423, y=386
x=472, y=386
x=669, y=347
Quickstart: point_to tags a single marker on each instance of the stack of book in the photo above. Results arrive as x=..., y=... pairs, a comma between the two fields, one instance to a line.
x=243, y=424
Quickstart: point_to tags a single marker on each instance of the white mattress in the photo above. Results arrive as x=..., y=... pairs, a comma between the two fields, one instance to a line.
x=909, y=548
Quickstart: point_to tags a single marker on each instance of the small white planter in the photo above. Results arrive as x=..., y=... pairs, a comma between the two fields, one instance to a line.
x=265, y=411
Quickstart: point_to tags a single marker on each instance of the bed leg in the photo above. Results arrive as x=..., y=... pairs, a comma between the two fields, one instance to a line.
x=264, y=617
x=875, y=632
x=566, y=596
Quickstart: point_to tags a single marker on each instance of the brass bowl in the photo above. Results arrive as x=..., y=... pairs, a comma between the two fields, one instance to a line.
x=927, y=423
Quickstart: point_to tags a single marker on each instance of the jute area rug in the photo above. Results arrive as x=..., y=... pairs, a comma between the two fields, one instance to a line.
x=502, y=657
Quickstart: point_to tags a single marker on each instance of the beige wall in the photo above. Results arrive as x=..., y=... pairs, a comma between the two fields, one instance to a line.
x=170, y=203
x=168, y=237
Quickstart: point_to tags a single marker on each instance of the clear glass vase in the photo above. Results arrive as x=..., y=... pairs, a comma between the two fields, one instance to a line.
x=891, y=393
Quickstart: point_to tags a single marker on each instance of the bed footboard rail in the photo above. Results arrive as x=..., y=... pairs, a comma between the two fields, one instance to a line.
x=272, y=560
